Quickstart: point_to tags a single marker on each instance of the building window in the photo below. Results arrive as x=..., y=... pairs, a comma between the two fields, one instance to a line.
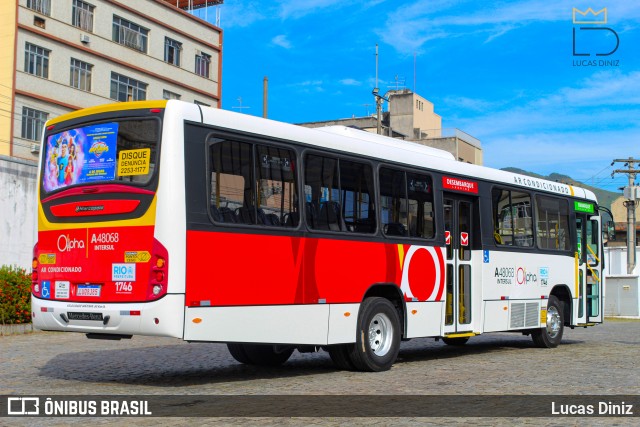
x=126, y=89
x=167, y=94
x=36, y=60
x=130, y=34
x=42, y=6
x=80, y=75
x=39, y=22
x=82, y=15
x=32, y=123
x=172, y=50
x=203, y=64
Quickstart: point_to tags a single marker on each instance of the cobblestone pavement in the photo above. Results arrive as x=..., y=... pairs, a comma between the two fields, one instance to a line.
x=599, y=360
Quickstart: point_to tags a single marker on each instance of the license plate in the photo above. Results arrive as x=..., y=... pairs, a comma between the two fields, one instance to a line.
x=88, y=291
x=84, y=316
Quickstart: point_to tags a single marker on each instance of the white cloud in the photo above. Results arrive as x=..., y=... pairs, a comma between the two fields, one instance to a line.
x=576, y=128
x=241, y=14
x=350, y=82
x=410, y=27
x=282, y=41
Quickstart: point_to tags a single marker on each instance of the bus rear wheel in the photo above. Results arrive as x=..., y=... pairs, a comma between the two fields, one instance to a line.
x=550, y=335
x=378, y=336
x=340, y=355
x=259, y=354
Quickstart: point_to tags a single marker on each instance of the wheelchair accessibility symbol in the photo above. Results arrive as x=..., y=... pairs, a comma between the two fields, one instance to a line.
x=46, y=289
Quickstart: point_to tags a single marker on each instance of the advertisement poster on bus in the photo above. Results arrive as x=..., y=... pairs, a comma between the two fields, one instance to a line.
x=81, y=155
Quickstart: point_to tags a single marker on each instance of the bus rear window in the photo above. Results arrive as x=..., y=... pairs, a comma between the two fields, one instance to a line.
x=117, y=151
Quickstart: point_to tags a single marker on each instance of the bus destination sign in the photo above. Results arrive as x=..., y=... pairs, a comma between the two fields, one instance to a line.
x=458, y=184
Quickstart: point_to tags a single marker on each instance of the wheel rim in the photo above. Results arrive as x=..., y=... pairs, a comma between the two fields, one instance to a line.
x=553, y=322
x=380, y=334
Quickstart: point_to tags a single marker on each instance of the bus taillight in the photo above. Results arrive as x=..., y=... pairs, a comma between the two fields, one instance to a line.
x=35, y=286
x=159, y=270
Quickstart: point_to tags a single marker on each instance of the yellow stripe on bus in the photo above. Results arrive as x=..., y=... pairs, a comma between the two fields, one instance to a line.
x=120, y=106
x=401, y=255
x=577, y=265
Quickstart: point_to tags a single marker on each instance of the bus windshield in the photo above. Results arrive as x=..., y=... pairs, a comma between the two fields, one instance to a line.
x=123, y=151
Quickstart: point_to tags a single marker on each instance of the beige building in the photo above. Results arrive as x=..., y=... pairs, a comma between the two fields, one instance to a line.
x=62, y=55
x=619, y=211
x=412, y=117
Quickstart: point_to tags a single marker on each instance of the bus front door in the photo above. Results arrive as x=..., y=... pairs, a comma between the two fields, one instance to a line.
x=459, y=237
x=589, y=269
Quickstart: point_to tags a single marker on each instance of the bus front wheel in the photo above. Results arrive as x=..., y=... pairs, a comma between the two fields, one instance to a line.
x=378, y=336
x=550, y=335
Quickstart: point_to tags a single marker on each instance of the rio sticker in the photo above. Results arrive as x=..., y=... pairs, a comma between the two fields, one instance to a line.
x=123, y=272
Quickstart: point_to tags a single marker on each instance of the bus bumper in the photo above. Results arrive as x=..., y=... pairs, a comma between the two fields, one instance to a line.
x=163, y=317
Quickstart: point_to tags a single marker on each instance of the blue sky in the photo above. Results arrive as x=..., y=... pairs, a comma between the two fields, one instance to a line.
x=503, y=72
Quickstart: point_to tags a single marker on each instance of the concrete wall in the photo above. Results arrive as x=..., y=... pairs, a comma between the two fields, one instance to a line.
x=18, y=211
x=622, y=296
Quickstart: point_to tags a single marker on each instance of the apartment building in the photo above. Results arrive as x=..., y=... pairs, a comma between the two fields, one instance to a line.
x=63, y=55
x=411, y=117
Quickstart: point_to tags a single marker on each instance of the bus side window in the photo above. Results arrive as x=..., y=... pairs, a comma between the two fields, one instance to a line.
x=230, y=173
x=512, y=218
x=276, y=181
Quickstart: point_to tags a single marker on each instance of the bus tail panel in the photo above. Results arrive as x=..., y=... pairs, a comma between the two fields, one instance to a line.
x=163, y=317
x=101, y=264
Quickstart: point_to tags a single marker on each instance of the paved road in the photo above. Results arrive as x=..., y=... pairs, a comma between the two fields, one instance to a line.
x=599, y=360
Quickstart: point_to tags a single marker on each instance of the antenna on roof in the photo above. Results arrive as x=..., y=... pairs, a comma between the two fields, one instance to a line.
x=240, y=107
x=400, y=82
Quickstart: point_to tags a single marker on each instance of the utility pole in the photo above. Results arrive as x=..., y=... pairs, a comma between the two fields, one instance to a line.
x=631, y=193
x=265, y=96
x=379, y=98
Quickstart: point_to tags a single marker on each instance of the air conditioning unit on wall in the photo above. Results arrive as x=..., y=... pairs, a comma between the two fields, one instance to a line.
x=35, y=147
x=84, y=38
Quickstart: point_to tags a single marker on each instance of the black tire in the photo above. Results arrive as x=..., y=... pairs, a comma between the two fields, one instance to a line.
x=238, y=353
x=267, y=355
x=455, y=341
x=259, y=354
x=551, y=335
x=377, y=337
x=339, y=354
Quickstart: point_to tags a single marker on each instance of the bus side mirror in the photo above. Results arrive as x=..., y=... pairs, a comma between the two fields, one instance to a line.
x=611, y=231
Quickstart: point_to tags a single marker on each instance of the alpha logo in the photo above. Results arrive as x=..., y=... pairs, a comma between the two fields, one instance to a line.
x=522, y=277
x=66, y=244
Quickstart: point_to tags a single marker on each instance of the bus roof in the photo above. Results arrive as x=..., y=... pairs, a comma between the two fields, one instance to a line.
x=105, y=108
x=381, y=147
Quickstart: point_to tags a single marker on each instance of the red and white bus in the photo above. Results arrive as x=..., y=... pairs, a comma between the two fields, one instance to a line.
x=171, y=219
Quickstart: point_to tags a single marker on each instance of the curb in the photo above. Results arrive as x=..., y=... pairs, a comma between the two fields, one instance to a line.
x=19, y=329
